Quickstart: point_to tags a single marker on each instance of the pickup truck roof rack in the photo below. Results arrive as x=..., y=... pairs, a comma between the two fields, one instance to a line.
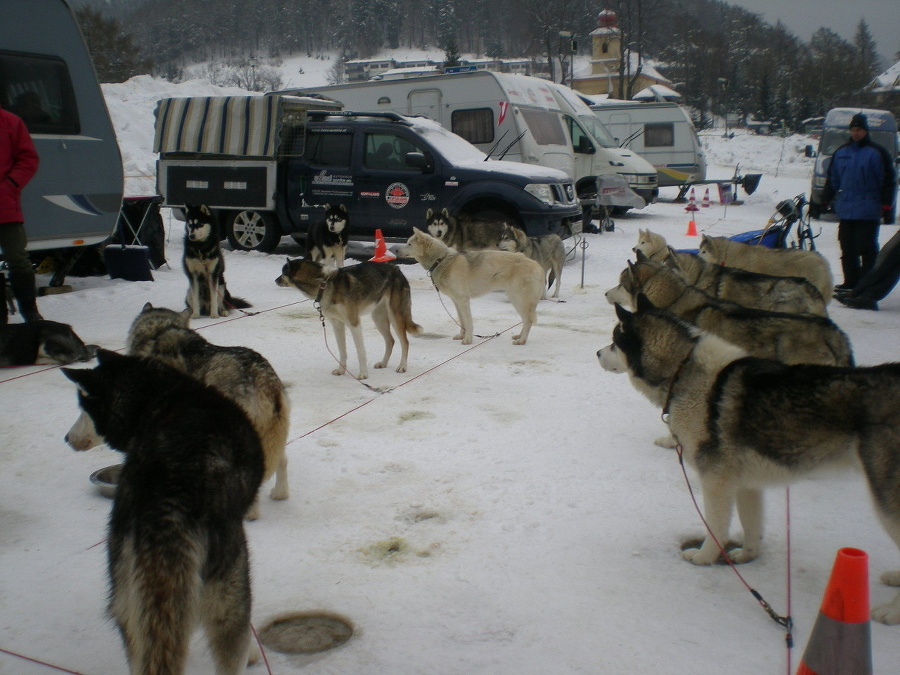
x=392, y=116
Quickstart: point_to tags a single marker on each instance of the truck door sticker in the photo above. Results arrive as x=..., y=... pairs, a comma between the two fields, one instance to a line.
x=396, y=195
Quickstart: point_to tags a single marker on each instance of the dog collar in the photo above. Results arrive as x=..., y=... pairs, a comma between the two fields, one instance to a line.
x=436, y=263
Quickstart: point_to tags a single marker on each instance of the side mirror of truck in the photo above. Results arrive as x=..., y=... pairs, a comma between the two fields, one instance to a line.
x=585, y=147
x=417, y=160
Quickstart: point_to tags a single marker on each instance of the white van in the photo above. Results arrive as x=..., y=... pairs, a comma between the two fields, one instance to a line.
x=660, y=132
x=48, y=79
x=513, y=117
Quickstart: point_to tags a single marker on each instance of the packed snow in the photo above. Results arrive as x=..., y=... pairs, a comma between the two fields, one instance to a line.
x=496, y=509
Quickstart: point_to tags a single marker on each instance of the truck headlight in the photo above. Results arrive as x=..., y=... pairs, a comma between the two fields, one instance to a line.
x=541, y=191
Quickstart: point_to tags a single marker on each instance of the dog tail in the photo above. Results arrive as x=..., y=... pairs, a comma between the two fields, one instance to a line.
x=401, y=305
x=156, y=597
x=235, y=303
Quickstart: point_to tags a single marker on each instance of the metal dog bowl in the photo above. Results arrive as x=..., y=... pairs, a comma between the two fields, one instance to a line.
x=306, y=632
x=106, y=479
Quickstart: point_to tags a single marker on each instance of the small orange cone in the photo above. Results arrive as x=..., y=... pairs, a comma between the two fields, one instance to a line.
x=705, y=202
x=381, y=250
x=841, y=640
x=692, y=228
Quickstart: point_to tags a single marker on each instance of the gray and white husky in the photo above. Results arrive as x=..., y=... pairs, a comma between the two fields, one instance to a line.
x=547, y=251
x=345, y=294
x=463, y=232
x=745, y=423
x=177, y=551
x=240, y=373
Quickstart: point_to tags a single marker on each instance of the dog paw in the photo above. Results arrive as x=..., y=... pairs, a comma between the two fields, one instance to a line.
x=401, y=369
x=380, y=364
x=338, y=371
x=698, y=557
x=253, y=654
x=888, y=614
x=739, y=556
x=891, y=578
x=278, y=494
x=363, y=375
x=667, y=441
x=467, y=341
x=460, y=336
x=252, y=512
x=517, y=340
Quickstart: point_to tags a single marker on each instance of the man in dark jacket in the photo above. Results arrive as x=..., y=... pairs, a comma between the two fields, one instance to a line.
x=18, y=163
x=862, y=185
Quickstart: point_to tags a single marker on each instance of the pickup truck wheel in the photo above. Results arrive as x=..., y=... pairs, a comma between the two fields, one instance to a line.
x=253, y=231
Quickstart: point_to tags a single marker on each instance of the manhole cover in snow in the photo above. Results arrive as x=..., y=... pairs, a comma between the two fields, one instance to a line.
x=306, y=632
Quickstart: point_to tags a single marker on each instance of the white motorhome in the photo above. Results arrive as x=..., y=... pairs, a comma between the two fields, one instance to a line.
x=514, y=117
x=660, y=132
x=48, y=79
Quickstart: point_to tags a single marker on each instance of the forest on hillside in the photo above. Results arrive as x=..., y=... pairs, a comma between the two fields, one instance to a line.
x=722, y=58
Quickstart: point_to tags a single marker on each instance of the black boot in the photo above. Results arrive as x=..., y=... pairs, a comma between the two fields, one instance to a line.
x=23, y=288
x=4, y=312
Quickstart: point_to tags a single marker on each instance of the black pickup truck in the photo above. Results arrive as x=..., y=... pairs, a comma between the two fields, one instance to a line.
x=267, y=165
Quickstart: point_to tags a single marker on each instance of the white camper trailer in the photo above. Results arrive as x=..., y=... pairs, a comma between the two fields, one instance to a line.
x=513, y=117
x=662, y=133
x=48, y=79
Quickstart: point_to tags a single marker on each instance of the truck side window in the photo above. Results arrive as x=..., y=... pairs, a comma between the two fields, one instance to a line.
x=386, y=151
x=475, y=125
x=659, y=135
x=324, y=149
x=39, y=90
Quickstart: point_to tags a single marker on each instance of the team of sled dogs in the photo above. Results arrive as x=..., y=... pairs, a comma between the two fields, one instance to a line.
x=758, y=385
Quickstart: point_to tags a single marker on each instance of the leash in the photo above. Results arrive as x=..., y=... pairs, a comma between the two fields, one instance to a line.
x=441, y=298
x=40, y=663
x=785, y=621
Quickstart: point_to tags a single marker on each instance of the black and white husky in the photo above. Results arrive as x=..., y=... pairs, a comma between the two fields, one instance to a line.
x=327, y=239
x=177, y=551
x=204, y=266
x=745, y=423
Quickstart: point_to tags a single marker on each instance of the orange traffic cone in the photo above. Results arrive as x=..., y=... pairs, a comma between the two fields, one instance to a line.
x=692, y=228
x=705, y=202
x=381, y=250
x=841, y=641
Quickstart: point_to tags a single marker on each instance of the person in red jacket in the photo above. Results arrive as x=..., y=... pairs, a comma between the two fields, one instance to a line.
x=18, y=163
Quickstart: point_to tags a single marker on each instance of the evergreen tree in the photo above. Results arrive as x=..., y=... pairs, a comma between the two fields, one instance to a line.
x=112, y=50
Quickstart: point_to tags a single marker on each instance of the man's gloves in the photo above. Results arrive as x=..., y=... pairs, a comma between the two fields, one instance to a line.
x=817, y=209
x=887, y=214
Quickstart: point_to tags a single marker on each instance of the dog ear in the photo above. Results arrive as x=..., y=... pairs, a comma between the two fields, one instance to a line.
x=445, y=213
x=204, y=209
x=85, y=378
x=622, y=313
x=185, y=315
x=640, y=256
x=107, y=356
x=428, y=214
x=644, y=304
x=147, y=306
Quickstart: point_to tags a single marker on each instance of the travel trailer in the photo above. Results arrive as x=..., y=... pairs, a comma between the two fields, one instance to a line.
x=835, y=132
x=48, y=79
x=662, y=133
x=514, y=117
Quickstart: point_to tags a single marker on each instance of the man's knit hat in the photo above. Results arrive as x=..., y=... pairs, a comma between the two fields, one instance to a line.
x=859, y=120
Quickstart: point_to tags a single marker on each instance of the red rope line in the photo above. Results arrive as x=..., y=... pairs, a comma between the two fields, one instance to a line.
x=40, y=663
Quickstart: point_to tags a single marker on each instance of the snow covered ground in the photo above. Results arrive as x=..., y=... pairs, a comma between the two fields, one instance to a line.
x=498, y=509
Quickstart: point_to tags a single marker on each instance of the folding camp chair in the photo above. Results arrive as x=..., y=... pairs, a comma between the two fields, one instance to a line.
x=139, y=243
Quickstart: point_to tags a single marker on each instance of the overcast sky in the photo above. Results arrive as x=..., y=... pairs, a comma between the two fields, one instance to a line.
x=804, y=17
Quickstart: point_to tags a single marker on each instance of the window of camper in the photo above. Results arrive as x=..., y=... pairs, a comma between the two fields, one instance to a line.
x=476, y=125
x=39, y=90
x=545, y=126
x=328, y=149
x=659, y=135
